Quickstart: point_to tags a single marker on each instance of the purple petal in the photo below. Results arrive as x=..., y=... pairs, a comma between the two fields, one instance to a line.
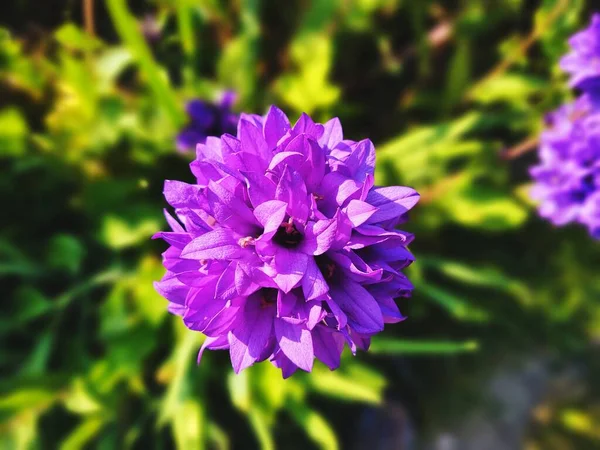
x=253, y=141
x=362, y=160
x=332, y=134
x=295, y=342
x=292, y=190
x=229, y=210
x=328, y=346
x=217, y=244
x=276, y=126
x=249, y=338
x=392, y=201
x=359, y=212
x=319, y=236
x=260, y=188
x=182, y=195
x=225, y=288
x=364, y=314
x=290, y=267
x=270, y=215
x=307, y=126
x=212, y=343
x=313, y=283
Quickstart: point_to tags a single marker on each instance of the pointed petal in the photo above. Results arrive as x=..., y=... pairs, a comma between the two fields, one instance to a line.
x=328, y=346
x=295, y=342
x=392, y=201
x=359, y=212
x=253, y=141
x=216, y=244
x=249, y=338
x=361, y=161
x=364, y=314
x=229, y=210
x=182, y=195
x=276, y=126
x=290, y=267
x=292, y=190
x=313, y=283
x=225, y=289
x=212, y=343
x=270, y=215
x=332, y=134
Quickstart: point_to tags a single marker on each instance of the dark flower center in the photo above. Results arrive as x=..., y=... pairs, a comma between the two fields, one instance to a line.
x=288, y=236
x=326, y=266
x=268, y=296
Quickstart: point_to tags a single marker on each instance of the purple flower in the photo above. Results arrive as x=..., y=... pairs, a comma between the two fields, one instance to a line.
x=207, y=119
x=583, y=62
x=567, y=180
x=284, y=249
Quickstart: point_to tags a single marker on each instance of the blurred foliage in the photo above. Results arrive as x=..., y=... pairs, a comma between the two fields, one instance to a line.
x=447, y=90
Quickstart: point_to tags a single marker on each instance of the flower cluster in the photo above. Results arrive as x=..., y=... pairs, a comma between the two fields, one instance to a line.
x=284, y=249
x=583, y=62
x=567, y=180
x=207, y=119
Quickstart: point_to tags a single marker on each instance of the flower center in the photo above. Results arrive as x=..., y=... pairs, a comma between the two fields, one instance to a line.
x=326, y=266
x=268, y=296
x=287, y=235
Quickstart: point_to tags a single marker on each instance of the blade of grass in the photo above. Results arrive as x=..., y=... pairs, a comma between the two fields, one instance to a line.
x=387, y=346
x=129, y=31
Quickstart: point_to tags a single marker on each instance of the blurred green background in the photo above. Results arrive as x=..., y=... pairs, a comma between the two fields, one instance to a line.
x=501, y=348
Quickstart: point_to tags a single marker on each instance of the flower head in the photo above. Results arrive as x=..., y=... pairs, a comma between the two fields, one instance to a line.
x=284, y=249
x=583, y=62
x=567, y=180
x=207, y=119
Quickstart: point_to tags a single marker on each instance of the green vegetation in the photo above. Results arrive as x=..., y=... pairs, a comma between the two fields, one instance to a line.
x=453, y=94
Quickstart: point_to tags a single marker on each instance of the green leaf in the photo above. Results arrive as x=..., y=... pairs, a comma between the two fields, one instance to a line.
x=488, y=277
x=118, y=234
x=269, y=386
x=129, y=31
x=72, y=37
x=84, y=433
x=515, y=89
x=37, y=361
x=459, y=73
x=179, y=386
x=456, y=306
x=30, y=304
x=237, y=66
x=314, y=425
x=390, y=346
x=65, y=252
x=217, y=437
x=189, y=427
x=309, y=88
x=239, y=390
x=81, y=401
x=346, y=387
x=27, y=398
x=261, y=429
x=13, y=132
x=483, y=207
x=111, y=63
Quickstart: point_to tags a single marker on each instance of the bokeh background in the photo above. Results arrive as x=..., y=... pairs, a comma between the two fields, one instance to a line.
x=501, y=347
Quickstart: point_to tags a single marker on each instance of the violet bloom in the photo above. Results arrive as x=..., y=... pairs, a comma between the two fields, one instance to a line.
x=583, y=62
x=567, y=180
x=207, y=119
x=284, y=249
